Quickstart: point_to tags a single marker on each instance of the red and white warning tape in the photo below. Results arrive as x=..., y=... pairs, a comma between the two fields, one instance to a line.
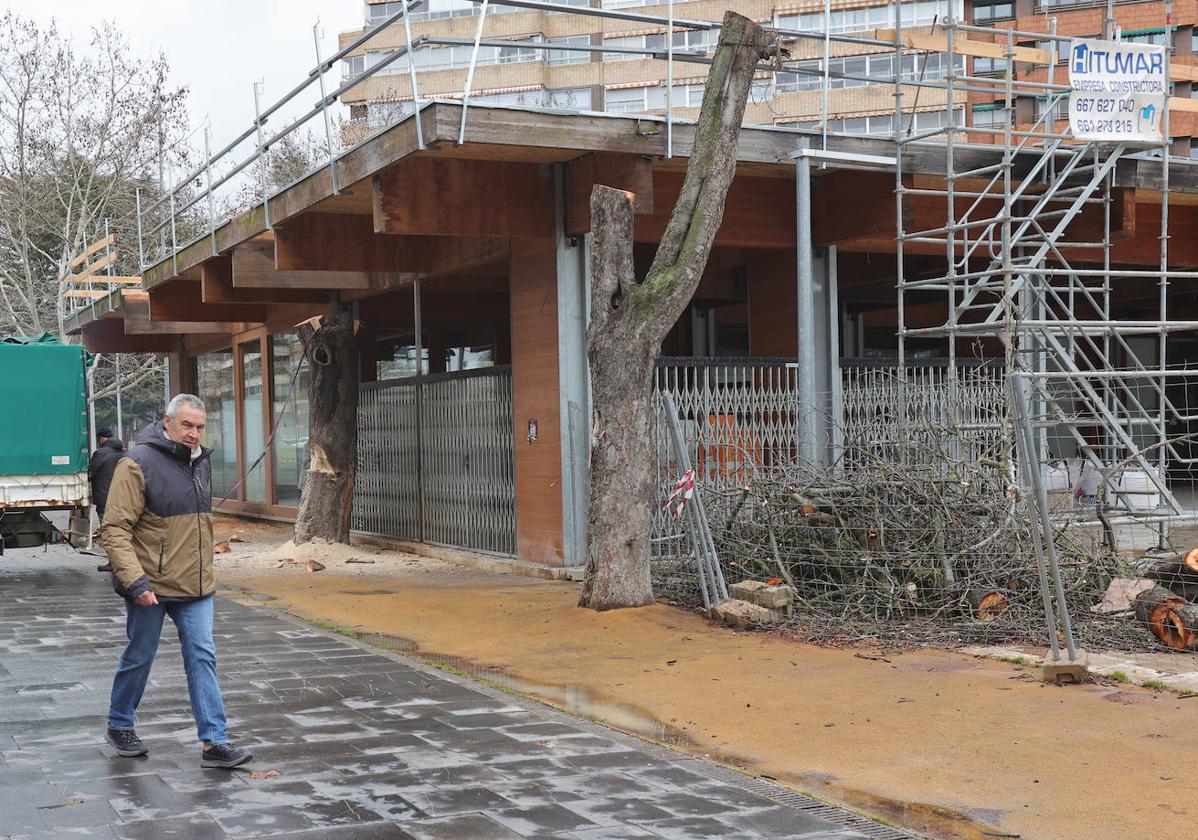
x=683, y=490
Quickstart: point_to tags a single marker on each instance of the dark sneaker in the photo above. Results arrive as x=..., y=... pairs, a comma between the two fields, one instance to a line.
x=107, y=567
x=225, y=756
x=126, y=742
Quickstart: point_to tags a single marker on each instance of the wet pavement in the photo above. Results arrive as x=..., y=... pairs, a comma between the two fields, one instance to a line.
x=349, y=742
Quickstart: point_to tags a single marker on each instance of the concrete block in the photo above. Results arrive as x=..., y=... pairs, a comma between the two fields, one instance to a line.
x=774, y=597
x=737, y=613
x=1065, y=671
x=745, y=590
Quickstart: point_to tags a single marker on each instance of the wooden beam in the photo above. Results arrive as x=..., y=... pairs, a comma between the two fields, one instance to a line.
x=631, y=173
x=92, y=269
x=460, y=197
x=339, y=242
x=90, y=294
x=182, y=300
x=254, y=267
x=345, y=242
x=110, y=337
x=99, y=245
x=216, y=286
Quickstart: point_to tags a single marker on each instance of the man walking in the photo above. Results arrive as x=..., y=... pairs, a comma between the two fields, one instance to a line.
x=158, y=535
x=100, y=468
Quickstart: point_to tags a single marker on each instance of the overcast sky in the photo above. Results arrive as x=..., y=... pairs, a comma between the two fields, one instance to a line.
x=217, y=48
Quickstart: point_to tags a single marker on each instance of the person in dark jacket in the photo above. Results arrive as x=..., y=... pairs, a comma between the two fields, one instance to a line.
x=158, y=535
x=100, y=468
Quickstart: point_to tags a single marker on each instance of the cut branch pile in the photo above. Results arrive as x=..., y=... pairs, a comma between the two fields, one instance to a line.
x=930, y=541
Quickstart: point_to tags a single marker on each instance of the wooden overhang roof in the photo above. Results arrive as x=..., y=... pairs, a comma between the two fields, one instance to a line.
x=535, y=135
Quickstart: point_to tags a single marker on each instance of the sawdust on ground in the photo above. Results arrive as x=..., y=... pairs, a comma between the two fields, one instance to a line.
x=937, y=741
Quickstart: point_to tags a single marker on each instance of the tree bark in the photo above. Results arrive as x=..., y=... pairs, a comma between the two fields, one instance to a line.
x=630, y=319
x=326, y=502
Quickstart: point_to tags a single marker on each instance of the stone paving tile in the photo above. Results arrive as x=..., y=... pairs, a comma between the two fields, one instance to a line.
x=363, y=745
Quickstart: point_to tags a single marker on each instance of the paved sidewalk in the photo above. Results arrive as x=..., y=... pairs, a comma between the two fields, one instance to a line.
x=368, y=742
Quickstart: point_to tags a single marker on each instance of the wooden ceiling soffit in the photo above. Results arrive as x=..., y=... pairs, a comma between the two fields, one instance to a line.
x=182, y=300
x=254, y=268
x=216, y=286
x=341, y=242
x=758, y=212
x=429, y=196
x=631, y=173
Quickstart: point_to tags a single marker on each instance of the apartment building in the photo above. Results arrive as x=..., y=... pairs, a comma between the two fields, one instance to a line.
x=603, y=73
x=1141, y=22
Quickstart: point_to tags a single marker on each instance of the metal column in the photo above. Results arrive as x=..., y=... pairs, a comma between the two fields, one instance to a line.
x=573, y=280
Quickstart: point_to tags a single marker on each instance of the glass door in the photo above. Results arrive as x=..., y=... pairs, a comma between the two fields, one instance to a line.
x=253, y=422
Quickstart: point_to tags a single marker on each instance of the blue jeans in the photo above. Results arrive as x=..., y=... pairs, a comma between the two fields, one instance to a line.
x=143, y=626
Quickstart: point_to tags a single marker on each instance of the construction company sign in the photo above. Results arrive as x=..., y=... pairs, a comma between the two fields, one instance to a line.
x=1118, y=91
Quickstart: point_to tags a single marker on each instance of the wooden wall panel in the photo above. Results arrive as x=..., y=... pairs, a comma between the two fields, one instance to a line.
x=535, y=396
x=772, y=300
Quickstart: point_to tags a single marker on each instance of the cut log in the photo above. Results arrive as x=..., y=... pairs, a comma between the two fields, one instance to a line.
x=1191, y=560
x=1151, y=606
x=1176, y=576
x=1179, y=627
x=987, y=604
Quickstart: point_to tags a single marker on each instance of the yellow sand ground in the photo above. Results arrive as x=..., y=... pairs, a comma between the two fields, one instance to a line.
x=937, y=741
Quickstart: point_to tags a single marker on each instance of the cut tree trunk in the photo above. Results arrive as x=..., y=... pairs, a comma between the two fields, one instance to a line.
x=1191, y=560
x=1175, y=576
x=1151, y=607
x=630, y=318
x=987, y=604
x=1179, y=627
x=326, y=503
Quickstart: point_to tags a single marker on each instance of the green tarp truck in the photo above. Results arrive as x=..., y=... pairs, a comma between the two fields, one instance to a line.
x=43, y=440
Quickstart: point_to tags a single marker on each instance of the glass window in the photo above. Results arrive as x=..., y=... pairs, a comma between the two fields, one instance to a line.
x=214, y=385
x=397, y=357
x=989, y=115
x=987, y=10
x=1156, y=37
x=470, y=350
x=255, y=438
x=625, y=100
x=568, y=99
x=557, y=58
x=983, y=66
x=290, y=405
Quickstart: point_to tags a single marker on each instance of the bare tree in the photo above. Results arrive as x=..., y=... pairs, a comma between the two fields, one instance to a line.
x=630, y=318
x=80, y=131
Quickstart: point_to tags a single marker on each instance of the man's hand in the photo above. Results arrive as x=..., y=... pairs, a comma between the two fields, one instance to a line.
x=146, y=599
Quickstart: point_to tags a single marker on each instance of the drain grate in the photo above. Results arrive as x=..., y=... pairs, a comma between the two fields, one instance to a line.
x=367, y=592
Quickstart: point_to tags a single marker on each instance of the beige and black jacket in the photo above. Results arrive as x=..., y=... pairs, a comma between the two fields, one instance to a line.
x=157, y=526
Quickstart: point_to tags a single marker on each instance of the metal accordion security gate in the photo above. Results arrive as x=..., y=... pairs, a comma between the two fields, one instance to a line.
x=436, y=460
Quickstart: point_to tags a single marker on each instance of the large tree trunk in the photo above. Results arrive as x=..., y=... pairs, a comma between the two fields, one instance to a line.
x=630, y=319
x=328, y=492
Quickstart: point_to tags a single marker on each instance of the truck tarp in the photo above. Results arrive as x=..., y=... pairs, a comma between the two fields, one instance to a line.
x=43, y=407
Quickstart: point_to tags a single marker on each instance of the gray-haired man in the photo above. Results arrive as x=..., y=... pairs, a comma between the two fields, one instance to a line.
x=158, y=535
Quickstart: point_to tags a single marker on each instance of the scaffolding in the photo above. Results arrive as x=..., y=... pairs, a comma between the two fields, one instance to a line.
x=1029, y=270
